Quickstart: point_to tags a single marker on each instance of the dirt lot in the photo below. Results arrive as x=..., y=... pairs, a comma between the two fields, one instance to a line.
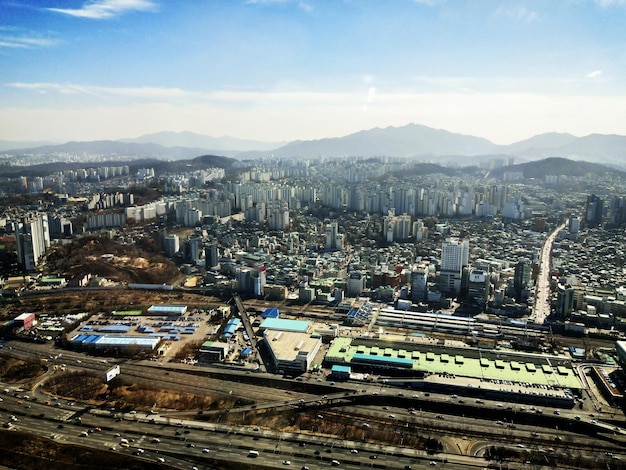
x=62, y=302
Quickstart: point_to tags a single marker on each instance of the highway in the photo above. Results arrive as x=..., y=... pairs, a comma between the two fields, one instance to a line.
x=541, y=308
x=377, y=405
x=185, y=443
x=232, y=443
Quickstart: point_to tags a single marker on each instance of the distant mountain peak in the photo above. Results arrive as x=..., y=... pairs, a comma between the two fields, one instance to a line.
x=411, y=140
x=194, y=140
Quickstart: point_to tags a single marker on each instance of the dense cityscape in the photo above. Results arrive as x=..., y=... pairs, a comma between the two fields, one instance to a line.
x=259, y=234
x=453, y=296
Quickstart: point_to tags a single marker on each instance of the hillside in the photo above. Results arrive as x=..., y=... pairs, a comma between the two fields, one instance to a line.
x=128, y=264
x=558, y=167
x=184, y=165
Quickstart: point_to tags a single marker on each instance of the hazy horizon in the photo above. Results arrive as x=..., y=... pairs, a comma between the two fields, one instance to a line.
x=285, y=70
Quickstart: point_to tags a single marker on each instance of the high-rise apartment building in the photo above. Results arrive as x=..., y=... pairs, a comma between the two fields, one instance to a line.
x=574, y=225
x=278, y=215
x=454, y=256
x=564, y=301
x=192, y=249
x=172, y=245
x=32, y=237
x=334, y=239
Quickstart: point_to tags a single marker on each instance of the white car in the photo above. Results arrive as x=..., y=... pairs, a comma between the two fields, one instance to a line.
x=205, y=451
x=286, y=462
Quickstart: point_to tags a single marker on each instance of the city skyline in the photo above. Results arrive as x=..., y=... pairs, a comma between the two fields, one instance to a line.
x=283, y=70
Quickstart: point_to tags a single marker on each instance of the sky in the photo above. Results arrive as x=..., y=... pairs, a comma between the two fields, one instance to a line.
x=284, y=70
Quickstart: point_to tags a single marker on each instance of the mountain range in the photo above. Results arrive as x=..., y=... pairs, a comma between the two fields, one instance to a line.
x=410, y=141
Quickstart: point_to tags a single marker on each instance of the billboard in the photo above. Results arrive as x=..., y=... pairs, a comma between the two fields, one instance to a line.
x=111, y=373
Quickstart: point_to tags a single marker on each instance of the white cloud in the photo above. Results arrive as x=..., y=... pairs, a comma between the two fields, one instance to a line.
x=594, y=74
x=128, y=92
x=24, y=42
x=516, y=13
x=429, y=3
x=303, y=5
x=610, y=3
x=104, y=9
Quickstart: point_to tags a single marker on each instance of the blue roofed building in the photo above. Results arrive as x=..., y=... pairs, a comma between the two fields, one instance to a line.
x=339, y=372
x=270, y=313
x=230, y=328
x=295, y=326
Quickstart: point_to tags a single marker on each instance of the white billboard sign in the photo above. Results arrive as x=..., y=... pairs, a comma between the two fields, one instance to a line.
x=111, y=373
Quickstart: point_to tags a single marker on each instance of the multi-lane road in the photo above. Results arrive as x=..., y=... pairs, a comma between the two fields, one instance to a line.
x=182, y=443
x=542, y=291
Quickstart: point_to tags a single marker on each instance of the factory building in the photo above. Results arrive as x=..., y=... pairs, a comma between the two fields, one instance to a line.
x=103, y=342
x=291, y=343
x=167, y=310
x=213, y=351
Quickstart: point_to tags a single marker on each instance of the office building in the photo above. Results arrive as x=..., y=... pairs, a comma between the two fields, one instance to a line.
x=521, y=279
x=355, y=284
x=594, y=208
x=211, y=256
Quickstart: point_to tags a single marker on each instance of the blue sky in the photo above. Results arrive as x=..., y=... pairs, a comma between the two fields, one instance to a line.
x=280, y=70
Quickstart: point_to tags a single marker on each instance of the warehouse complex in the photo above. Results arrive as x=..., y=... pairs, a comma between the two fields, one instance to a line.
x=525, y=377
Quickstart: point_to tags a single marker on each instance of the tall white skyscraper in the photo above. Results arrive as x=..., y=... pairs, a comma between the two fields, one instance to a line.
x=334, y=240
x=172, y=245
x=32, y=238
x=454, y=255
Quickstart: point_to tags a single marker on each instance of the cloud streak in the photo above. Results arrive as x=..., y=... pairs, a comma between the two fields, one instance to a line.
x=25, y=42
x=129, y=92
x=105, y=9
